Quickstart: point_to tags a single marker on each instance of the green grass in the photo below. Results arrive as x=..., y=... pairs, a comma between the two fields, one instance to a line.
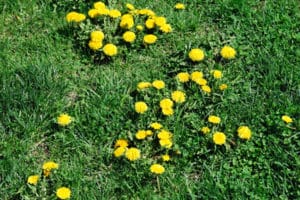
x=43, y=73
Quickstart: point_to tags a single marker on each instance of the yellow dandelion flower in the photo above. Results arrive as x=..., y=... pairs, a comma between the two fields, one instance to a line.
x=119, y=151
x=75, y=17
x=50, y=165
x=147, y=12
x=166, y=103
x=167, y=111
x=129, y=36
x=64, y=119
x=103, y=11
x=178, y=96
x=121, y=143
x=166, y=28
x=196, y=55
x=150, y=39
x=166, y=157
x=179, y=6
x=150, y=23
x=156, y=125
x=214, y=119
x=228, y=52
x=183, y=77
x=129, y=6
x=144, y=85
x=140, y=107
x=114, y=13
x=206, y=88
x=97, y=36
x=110, y=50
x=63, y=193
x=217, y=74
x=95, y=45
x=93, y=13
x=223, y=86
x=201, y=81
x=244, y=132
x=149, y=132
x=164, y=134
x=33, y=179
x=160, y=21
x=205, y=130
x=158, y=84
x=141, y=134
x=133, y=154
x=157, y=169
x=99, y=5
x=287, y=119
x=139, y=27
x=219, y=138
x=127, y=21
x=196, y=75
x=166, y=143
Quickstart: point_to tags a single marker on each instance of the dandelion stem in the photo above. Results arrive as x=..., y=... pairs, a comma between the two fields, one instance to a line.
x=158, y=184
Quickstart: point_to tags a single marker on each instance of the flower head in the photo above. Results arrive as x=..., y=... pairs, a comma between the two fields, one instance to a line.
x=133, y=154
x=75, y=17
x=167, y=111
x=183, y=77
x=141, y=134
x=166, y=143
x=139, y=27
x=143, y=85
x=223, y=86
x=196, y=75
x=121, y=143
x=140, y=107
x=287, y=119
x=119, y=151
x=129, y=6
x=150, y=39
x=158, y=84
x=114, y=13
x=160, y=21
x=205, y=130
x=179, y=6
x=97, y=36
x=93, y=13
x=48, y=166
x=166, y=157
x=196, y=55
x=150, y=23
x=244, y=132
x=164, y=134
x=156, y=125
x=219, y=138
x=63, y=193
x=64, y=119
x=166, y=103
x=157, y=169
x=33, y=179
x=95, y=45
x=206, y=88
x=127, y=21
x=178, y=96
x=228, y=52
x=214, y=119
x=217, y=74
x=110, y=50
x=201, y=81
x=129, y=36
x=99, y=5
x=166, y=28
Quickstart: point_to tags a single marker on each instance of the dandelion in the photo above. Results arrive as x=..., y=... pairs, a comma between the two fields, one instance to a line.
x=160, y=21
x=127, y=21
x=158, y=84
x=93, y=13
x=196, y=55
x=223, y=87
x=157, y=169
x=150, y=23
x=133, y=154
x=206, y=88
x=201, y=81
x=143, y=85
x=139, y=27
x=244, y=132
x=217, y=74
x=119, y=151
x=64, y=119
x=205, y=130
x=99, y=5
x=196, y=75
x=149, y=132
x=114, y=13
x=228, y=52
x=214, y=119
x=179, y=6
x=48, y=167
x=121, y=143
x=150, y=39
x=183, y=77
x=178, y=96
x=140, y=107
x=75, y=17
x=141, y=134
x=287, y=119
x=166, y=103
x=63, y=193
x=166, y=143
x=164, y=134
x=95, y=45
x=166, y=28
x=97, y=36
x=110, y=50
x=156, y=125
x=167, y=111
x=103, y=11
x=129, y=36
x=33, y=179
x=129, y=6
x=166, y=157
x=219, y=138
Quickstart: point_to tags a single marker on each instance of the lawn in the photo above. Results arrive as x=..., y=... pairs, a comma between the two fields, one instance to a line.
x=47, y=69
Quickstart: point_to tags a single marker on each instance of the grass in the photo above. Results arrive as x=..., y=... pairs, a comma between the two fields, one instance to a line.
x=43, y=73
